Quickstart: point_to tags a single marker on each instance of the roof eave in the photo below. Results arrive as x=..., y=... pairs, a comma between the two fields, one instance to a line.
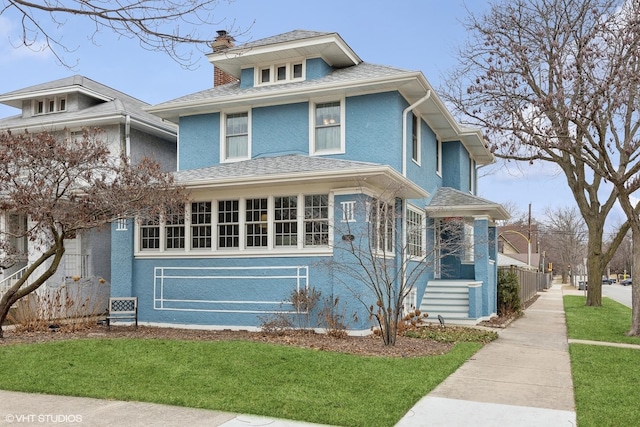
x=385, y=174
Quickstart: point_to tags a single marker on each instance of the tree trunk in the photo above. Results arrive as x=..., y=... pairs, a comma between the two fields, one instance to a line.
x=594, y=265
x=635, y=287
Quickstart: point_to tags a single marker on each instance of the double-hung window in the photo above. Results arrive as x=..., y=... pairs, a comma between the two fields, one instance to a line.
x=228, y=224
x=285, y=220
x=174, y=230
x=316, y=220
x=382, y=220
x=201, y=225
x=256, y=222
x=236, y=137
x=415, y=233
x=327, y=127
x=150, y=234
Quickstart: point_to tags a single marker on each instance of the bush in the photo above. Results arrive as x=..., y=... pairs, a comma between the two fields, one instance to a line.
x=508, y=293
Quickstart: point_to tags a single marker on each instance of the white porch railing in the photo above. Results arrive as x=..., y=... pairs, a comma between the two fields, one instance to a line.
x=7, y=282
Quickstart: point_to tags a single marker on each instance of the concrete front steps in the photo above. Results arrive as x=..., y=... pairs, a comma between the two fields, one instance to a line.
x=449, y=299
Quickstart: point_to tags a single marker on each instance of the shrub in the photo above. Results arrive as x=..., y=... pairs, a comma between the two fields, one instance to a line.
x=508, y=293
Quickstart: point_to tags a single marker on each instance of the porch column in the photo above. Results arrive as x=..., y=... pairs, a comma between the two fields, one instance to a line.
x=482, y=261
x=122, y=249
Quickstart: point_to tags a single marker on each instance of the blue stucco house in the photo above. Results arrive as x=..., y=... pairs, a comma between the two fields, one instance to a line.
x=284, y=158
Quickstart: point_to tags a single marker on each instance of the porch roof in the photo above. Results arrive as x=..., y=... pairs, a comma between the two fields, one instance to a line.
x=447, y=202
x=295, y=168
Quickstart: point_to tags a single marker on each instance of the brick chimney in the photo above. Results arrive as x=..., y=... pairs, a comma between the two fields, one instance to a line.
x=221, y=43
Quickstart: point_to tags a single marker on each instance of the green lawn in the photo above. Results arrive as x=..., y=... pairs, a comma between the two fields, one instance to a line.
x=234, y=376
x=605, y=379
x=608, y=323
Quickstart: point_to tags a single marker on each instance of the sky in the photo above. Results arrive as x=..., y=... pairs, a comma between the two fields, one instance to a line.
x=420, y=35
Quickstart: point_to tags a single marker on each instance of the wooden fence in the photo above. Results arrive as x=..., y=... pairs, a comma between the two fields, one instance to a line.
x=530, y=282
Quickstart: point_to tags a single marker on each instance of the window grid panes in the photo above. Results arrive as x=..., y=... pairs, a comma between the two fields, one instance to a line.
x=150, y=234
x=201, y=225
x=327, y=127
x=415, y=233
x=237, y=135
x=174, y=230
x=297, y=71
x=228, y=224
x=285, y=220
x=256, y=222
x=316, y=220
x=382, y=226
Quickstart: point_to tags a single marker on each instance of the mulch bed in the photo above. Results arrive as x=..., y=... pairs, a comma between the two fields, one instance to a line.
x=369, y=345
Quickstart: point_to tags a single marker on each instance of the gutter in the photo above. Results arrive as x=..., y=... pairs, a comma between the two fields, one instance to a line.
x=405, y=113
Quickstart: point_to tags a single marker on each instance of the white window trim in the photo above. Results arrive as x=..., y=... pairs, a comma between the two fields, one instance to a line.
x=418, y=159
x=45, y=105
x=439, y=157
x=242, y=249
x=468, y=241
x=375, y=246
x=423, y=234
x=312, y=127
x=472, y=175
x=273, y=70
x=223, y=136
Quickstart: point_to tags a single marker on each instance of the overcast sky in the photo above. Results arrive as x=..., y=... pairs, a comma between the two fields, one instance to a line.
x=417, y=35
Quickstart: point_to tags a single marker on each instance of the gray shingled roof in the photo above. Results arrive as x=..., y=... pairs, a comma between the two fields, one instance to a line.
x=265, y=166
x=282, y=38
x=447, y=197
x=118, y=103
x=358, y=72
x=450, y=200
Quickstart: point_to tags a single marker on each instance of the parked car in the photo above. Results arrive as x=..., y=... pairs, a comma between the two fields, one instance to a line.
x=626, y=282
x=607, y=281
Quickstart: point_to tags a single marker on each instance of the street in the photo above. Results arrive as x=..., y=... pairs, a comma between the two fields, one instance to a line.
x=619, y=293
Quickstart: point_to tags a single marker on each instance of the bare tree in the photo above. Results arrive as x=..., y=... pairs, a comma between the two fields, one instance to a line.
x=171, y=26
x=555, y=81
x=65, y=186
x=381, y=263
x=565, y=238
x=622, y=261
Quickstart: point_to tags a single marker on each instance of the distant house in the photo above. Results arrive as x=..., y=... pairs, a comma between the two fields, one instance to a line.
x=293, y=144
x=70, y=105
x=520, y=243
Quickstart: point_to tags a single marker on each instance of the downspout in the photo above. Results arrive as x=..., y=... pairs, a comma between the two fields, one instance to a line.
x=404, y=254
x=405, y=113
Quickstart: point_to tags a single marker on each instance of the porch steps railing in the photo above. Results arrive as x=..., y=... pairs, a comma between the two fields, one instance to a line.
x=449, y=299
x=11, y=280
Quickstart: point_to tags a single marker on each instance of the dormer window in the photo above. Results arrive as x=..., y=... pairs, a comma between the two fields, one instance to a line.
x=49, y=105
x=280, y=73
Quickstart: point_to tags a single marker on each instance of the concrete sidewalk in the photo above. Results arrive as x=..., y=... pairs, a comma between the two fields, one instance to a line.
x=523, y=378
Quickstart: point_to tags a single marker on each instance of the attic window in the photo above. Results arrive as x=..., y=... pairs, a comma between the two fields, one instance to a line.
x=49, y=105
x=281, y=73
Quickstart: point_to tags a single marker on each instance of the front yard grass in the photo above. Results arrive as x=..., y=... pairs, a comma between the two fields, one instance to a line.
x=605, y=379
x=234, y=376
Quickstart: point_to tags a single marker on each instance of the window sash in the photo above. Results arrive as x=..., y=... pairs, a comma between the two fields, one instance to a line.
x=286, y=221
x=254, y=223
x=415, y=233
x=316, y=220
x=201, y=216
x=327, y=127
x=237, y=135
